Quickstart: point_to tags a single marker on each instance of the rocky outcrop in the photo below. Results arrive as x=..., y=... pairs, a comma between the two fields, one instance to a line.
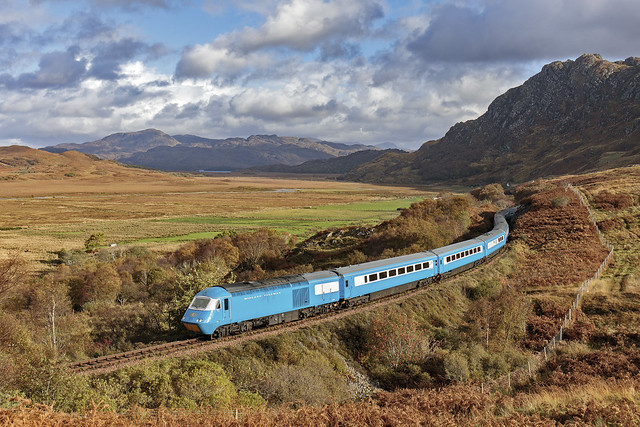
x=573, y=116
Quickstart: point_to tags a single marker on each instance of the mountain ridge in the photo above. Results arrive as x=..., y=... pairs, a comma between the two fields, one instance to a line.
x=571, y=117
x=156, y=149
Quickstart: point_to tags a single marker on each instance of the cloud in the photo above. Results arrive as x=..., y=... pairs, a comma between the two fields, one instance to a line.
x=520, y=30
x=303, y=24
x=109, y=56
x=126, y=5
x=297, y=25
x=55, y=70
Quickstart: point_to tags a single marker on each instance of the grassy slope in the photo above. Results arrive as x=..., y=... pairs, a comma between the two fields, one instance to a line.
x=576, y=385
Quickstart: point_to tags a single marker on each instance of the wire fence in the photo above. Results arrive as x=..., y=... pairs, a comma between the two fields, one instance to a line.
x=525, y=372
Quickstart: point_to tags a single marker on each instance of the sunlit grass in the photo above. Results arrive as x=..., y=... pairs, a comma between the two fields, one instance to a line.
x=300, y=222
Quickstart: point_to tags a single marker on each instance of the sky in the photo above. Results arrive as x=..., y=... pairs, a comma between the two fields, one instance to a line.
x=353, y=71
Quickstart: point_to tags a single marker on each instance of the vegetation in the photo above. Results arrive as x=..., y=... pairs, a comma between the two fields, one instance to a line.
x=421, y=358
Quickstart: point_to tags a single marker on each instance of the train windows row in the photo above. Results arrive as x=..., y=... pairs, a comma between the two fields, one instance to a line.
x=495, y=242
x=463, y=254
x=398, y=271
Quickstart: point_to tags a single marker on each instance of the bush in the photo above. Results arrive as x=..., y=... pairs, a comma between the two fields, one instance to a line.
x=94, y=241
x=560, y=201
x=456, y=367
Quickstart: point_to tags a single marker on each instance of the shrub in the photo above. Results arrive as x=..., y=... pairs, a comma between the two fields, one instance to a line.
x=456, y=367
x=94, y=241
x=560, y=201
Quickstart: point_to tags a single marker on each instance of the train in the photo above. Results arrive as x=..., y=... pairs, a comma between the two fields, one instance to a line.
x=238, y=307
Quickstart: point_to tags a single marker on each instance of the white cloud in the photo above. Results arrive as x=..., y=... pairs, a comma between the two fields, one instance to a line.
x=299, y=25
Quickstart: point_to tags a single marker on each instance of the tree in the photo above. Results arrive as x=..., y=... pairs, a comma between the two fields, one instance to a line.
x=396, y=339
x=12, y=273
x=256, y=247
x=499, y=318
x=94, y=241
x=96, y=282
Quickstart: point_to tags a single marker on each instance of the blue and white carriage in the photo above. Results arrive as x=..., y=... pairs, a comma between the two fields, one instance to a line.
x=237, y=307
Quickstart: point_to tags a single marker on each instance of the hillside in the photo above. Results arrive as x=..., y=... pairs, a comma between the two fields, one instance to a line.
x=155, y=149
x=119, y=145
x=335, y=165
x=572, y=117
x=454, y=338
x=20, y=163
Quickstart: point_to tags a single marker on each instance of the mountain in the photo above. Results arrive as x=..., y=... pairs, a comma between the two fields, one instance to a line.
x=119, y=145
x=155, y=149
x=336, y=165
x=572, y=117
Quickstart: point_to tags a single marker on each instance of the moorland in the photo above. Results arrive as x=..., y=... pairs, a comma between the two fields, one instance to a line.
x=52, y=202
x=454, y=337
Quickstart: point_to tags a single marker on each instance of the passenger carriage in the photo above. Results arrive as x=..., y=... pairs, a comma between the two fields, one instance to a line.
x=376, y=278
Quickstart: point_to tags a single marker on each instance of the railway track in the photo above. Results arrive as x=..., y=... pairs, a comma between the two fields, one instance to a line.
x=110, y=363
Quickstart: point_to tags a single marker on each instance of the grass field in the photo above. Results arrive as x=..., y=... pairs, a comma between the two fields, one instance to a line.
x=41, y=215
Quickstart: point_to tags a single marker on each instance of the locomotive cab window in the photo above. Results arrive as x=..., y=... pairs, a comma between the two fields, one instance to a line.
x=204, y=303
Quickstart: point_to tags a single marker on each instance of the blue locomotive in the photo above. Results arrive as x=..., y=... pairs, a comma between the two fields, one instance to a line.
x=239, y=307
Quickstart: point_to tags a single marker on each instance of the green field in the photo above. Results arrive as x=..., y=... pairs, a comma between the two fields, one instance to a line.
x=300, y=222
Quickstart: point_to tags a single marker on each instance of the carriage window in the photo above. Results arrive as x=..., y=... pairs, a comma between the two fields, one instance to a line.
x=383, y=274
x=418, y=267
x=401, y=270
x=409, y=268
x=373, y=277
x=425, y=265
x=366, y=279
x=392, y=273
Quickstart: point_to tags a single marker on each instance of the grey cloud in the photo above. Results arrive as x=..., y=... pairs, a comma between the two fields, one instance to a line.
x=127, y=5
x=337, y=50
x=525, y=30
x=110, y=55
x=10, y=33
x=56, y=70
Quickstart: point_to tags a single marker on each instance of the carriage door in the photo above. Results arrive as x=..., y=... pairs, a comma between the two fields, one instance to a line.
x=344, y=283
x=225, y=308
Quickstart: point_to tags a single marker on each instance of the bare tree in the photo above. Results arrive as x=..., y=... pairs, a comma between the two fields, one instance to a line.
x=12, y=273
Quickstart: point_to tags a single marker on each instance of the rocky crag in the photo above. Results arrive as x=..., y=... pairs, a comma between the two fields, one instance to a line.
x=572, y=117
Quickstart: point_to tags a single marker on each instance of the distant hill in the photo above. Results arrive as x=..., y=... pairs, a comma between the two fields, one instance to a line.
x=572, y=117
x=20, y=163
x=119, y=145
x=155, y=149
x=336, y=165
